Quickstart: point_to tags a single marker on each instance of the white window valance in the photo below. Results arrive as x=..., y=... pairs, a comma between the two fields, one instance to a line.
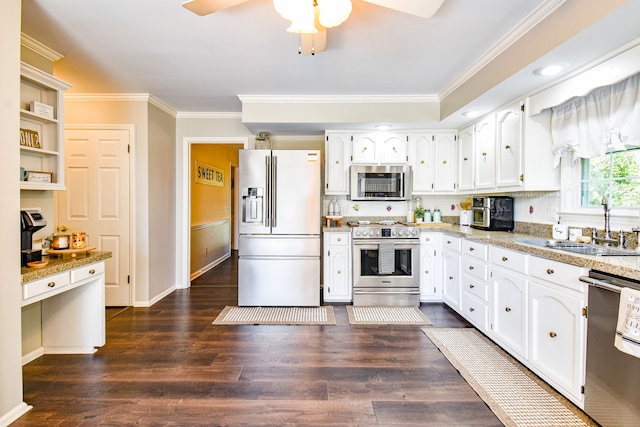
x=606, y=119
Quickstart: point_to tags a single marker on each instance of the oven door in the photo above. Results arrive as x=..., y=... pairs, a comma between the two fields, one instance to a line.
x=366, y=263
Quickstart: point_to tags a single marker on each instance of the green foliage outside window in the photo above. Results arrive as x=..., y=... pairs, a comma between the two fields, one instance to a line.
x=615, y=175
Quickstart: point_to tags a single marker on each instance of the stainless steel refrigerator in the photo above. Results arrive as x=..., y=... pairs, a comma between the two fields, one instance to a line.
x=279, y=245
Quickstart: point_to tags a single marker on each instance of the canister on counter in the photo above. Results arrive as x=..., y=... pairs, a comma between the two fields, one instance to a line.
x=78, y=240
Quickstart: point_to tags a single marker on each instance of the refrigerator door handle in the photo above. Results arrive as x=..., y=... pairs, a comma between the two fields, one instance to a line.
x=274, y=198
x=267, y=180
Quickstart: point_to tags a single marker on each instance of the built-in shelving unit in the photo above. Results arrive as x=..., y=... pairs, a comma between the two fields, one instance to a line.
x=46, y=156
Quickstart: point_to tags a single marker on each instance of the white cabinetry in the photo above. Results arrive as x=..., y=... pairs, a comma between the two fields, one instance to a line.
x=337, y=163
x=465, y=159
x=337, y=267
x=72, y=303
x=509, y=124
x=451, y=271
x=475, y=294
x=509, y=300
x=379, y=148
x=430, y=277
x=46, y=155
x=485, y=153
x=433, y=160
x=557, y=325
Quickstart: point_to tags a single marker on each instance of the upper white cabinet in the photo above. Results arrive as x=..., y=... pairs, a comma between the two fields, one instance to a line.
x=484, y=154
x=379, y=148
x=509, y=126
x=466, y=141
x=41, y=129
x=433, y=160
x=337, y=163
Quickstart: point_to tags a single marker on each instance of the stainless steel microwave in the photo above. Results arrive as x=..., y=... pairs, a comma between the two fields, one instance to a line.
x=380, y=182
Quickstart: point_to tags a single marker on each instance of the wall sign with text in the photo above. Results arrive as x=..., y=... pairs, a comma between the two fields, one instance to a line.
x=209, y=175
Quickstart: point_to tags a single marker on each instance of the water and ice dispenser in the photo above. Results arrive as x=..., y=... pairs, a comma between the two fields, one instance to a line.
x=252, y=204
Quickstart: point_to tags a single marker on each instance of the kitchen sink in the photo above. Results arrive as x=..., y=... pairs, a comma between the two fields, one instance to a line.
x=578, y=248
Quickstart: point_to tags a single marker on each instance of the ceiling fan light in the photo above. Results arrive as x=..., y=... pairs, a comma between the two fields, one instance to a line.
x=334, y=12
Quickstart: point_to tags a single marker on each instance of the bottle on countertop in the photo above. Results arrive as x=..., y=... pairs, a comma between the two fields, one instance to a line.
x=427, y=215
x=331, y=208
x=437, y=216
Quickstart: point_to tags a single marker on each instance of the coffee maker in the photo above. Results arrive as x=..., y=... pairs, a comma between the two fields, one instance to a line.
x=30, y=222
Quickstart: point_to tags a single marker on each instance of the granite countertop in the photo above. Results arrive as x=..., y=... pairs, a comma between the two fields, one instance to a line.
x=62, y=263
x=626, y=266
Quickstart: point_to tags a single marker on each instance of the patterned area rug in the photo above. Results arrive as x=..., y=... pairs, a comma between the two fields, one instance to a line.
x=232, y=315
x=514, y=394
x=363, y=315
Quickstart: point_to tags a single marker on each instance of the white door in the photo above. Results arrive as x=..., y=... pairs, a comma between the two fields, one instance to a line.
x=97, y=200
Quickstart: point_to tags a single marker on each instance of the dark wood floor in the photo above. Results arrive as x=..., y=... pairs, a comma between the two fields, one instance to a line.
x=168, y=365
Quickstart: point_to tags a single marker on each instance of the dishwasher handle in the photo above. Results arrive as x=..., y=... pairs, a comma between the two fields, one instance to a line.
x=600, y=284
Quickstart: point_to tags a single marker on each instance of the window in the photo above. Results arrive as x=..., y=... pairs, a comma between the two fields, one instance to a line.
x=614, y=175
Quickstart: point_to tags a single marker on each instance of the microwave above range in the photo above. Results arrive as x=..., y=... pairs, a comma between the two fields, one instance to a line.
x=380, y=183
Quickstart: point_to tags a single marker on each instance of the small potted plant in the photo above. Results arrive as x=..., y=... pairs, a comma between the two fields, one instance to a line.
x=419, y=214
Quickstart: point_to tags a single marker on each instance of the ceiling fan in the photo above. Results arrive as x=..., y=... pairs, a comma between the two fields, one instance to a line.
x=310, y=19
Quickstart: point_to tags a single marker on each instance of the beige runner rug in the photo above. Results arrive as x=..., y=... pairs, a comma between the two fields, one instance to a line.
x=516, y=395
x=232, y=315
x=364, y=315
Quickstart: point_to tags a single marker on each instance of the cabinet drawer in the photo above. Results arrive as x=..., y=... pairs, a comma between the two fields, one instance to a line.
x=427, y=239
x=87, y=271
x=475, y=286
x=475, y=268
x=45, y=285
x=475, y=249
x=475, y=311
x=339, y=239
x=451, y=242
x=557, y=272
x=509, y=259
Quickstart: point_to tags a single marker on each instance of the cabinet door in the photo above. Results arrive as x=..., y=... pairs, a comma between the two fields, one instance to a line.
x=363, y=149
x=422, y=162
x=445, y=162
x=337, y=164
x=451, y=279
x=509, y=307
x=430, y=273
x=392, y=149
x=338, y=280
x=485, y=153
x=465, y=159
x=509, y=146
x=557, y=337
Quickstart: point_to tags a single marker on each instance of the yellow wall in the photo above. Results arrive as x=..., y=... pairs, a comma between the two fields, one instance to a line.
x=211, y=203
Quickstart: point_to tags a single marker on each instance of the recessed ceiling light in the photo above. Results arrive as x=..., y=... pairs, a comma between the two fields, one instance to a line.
x=383, y=127
x=551, y=70
x=472, y=114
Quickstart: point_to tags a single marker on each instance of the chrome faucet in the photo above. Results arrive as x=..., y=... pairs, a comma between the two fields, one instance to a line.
x=607, y=240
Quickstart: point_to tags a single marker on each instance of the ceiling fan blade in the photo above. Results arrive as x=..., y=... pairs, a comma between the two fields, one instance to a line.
x=422, y=8
x=205, y=7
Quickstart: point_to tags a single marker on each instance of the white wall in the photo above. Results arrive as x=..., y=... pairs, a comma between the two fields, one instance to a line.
x=11, y=404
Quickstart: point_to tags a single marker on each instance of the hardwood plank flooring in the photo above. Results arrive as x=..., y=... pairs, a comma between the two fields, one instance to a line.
x=168, y=365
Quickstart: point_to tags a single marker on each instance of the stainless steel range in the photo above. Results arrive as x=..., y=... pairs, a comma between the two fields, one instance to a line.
x=385, y=264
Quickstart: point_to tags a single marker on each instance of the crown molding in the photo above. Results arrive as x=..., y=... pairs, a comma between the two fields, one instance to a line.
x=121, y=97
x=208, y=115
x=530, y=22
x=337, y=99
x=42, y=50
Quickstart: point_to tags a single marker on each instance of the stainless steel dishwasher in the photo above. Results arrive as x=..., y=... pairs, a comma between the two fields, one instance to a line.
x=612, y=376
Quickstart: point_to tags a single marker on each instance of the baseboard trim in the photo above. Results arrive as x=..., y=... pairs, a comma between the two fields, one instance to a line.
x=208, y=267
x=14, y=414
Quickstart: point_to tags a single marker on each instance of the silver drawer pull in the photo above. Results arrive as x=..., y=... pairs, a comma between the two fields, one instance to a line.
x=51, y=284
x=472, y=309
x=471, y=249
x=471, y=267
x=92, y=271
x=450, y=277
x=426, y=272
x=471, y=286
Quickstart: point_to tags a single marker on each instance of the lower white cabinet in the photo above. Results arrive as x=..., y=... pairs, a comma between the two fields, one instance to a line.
x=337, y=267
x=451, y=278
x=509, y=308
x=72, y=309
x=430, y=277
x=557, y=336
